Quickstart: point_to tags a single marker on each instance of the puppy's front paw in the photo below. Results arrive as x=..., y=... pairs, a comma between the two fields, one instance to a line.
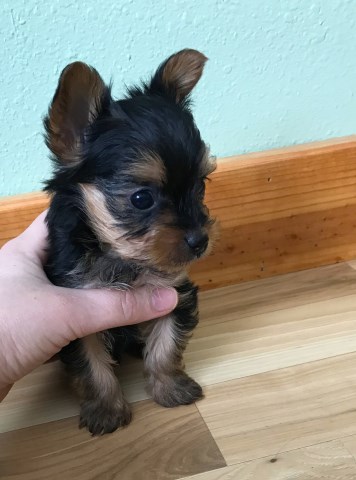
x=171, y=391
x=99, y=418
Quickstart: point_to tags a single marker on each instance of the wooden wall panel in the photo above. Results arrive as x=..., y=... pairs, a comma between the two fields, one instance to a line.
x=279, y=211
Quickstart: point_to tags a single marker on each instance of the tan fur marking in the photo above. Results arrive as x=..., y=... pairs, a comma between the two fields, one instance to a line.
x=104, y=407
x=150, y=168
x=167, y=382
x=183, y=70
x=164, y=252
x=164, y=281
x=169, y=255
x=167, y=252
x=103, y=377
x=148, y=248
x=107, y=231
x=161, y=348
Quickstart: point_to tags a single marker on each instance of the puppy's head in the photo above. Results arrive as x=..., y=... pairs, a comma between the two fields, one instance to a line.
x=138, y=166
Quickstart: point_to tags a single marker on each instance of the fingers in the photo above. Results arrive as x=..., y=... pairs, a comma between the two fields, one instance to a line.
x=95, y=310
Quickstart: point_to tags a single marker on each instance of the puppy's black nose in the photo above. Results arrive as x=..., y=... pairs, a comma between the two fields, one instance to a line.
x=197, y=241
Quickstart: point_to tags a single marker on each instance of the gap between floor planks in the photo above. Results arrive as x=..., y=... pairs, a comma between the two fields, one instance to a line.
x=244, y=330
x=332, y=460
x=241, y=327
x=247, y=329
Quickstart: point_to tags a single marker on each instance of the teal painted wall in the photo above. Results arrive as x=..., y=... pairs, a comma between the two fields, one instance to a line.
x=280, y=72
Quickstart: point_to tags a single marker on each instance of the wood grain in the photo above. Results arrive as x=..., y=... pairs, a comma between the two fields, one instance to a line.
x=244, y=330
x=17, y=212
x=278, y=358
x=283, y=212
x=279, y=211
x=268, y=414
x=325, y=461
x=160, y=444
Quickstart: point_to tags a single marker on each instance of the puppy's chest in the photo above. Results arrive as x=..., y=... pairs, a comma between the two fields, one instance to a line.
x=115, y=273
x=160, y=280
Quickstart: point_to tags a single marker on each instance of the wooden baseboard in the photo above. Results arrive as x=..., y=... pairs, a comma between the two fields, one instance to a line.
x=279, y=211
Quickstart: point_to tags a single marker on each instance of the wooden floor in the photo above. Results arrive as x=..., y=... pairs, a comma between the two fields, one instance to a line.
x=277, y=358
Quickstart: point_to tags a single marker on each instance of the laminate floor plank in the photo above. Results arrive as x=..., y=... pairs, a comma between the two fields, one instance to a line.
x=159, y=444
x=244, y=330
x=326, y=461
x=283, y=410
x=277, y=358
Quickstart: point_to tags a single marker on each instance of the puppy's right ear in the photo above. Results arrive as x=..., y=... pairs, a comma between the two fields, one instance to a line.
x=80, y=97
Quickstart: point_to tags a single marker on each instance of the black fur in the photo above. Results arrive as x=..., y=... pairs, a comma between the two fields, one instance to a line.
x=150, y=119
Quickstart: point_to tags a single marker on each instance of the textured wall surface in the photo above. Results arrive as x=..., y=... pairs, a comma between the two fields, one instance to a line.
x=280, y=72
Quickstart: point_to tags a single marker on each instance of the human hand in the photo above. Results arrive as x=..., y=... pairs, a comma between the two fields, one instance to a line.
x=37, y=318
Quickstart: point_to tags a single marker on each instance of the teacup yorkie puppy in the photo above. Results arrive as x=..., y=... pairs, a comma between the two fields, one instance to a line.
x=127, y=210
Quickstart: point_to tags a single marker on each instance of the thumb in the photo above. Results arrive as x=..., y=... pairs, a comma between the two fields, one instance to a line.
x=91, y=311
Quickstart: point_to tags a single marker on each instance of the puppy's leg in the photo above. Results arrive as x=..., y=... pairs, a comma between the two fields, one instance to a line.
x=166, y=339
x=103, y=408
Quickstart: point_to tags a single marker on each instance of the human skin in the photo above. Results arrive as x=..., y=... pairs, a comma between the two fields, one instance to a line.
x=38, y=318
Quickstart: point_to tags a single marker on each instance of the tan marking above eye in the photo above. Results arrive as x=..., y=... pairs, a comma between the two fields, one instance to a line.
x=148, y=167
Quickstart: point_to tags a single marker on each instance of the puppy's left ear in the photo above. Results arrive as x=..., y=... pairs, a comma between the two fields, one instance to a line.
x=179, y=74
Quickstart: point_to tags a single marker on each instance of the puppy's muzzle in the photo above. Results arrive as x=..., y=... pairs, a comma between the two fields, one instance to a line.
x=197, y=241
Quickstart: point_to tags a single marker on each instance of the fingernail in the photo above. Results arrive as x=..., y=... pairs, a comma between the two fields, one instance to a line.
x=164, y=299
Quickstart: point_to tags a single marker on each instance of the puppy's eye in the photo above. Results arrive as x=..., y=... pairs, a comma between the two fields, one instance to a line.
x=143, y=199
